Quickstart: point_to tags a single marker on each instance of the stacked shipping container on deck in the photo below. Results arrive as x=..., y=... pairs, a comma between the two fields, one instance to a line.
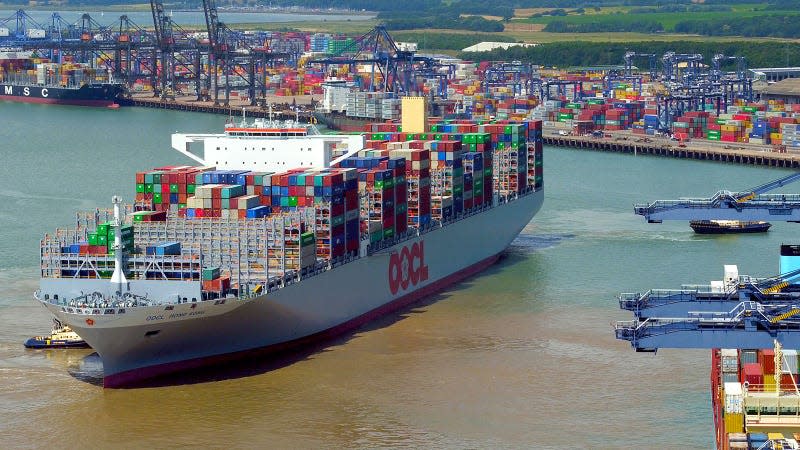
x=306, y=216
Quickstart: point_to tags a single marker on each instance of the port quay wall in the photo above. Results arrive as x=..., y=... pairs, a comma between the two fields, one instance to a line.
x=693, y=150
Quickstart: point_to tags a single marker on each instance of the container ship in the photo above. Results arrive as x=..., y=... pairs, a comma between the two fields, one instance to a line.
x=281, y=237
x=24, y=78
x=755, y=393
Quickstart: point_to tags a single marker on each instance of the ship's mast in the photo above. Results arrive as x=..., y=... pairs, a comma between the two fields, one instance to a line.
x=118, y=277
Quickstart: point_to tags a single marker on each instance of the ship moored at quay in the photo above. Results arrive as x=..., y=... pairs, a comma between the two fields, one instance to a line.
x=270, y=258
x=24, y=78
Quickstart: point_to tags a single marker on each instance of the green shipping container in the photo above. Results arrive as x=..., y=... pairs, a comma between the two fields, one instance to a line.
x=148, y=188
x=173, y=188
x=92, y=239
x=211, y=273
x=388, y=232
x=140, y=188
x=376, y=236
x=157, y=199
x=307, y=238
x=102, y=229
x=190, y=189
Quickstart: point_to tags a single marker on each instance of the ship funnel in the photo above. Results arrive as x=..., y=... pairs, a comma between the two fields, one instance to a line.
x=118, y=280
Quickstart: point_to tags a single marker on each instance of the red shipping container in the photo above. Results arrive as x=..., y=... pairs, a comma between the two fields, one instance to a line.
x=766, y=358
x=753, y=374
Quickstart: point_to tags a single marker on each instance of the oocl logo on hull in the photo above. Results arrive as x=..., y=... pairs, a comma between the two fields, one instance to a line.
x=407, y=268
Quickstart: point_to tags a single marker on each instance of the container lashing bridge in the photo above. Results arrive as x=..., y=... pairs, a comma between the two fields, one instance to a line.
x=750, y=205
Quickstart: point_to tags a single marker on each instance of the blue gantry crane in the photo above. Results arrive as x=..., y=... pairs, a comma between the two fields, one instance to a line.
x=749, y=205
x=737, y=312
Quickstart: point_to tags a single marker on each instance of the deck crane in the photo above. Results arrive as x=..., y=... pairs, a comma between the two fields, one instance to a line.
x=750, y=205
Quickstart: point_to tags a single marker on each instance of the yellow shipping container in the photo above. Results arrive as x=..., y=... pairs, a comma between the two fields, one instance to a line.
x=769, y=383
x=734, y=423
x=729, y=128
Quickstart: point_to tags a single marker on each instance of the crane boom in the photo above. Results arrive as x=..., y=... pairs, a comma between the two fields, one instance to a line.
x=751, y=204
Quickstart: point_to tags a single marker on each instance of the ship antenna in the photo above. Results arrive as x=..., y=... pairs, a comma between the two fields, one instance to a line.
x=118, y=277
x=244, y=117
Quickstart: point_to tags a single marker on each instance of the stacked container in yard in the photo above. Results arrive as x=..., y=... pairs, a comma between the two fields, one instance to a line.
x=790, y=135
x=691, y=125
x=732, y=131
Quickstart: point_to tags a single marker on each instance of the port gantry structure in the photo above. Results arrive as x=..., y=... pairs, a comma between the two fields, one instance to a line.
x=165, y=55
x=738, y=312
x=392, y=68
x=753, y=204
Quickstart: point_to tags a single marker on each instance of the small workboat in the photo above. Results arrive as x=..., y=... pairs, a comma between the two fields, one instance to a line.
x=62, y=336
x=728, y=226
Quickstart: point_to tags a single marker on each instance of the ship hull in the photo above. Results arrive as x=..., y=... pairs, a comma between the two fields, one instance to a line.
x=147, y=342
x=98, y=95
x=341, y=122
x=703, y=227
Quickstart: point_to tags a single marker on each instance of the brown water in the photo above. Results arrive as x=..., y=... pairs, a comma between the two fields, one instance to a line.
x=521, y=356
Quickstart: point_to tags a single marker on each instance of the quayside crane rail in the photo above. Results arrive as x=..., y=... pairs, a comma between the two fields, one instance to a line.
x=751, y=204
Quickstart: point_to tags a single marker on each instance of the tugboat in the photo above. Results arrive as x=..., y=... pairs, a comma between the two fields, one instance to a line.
x=62, y=336
x=728, y=226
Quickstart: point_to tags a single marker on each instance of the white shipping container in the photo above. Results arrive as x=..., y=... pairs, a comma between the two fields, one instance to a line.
x=789, y=364
x=4, y=32
x=730, y=360
x=733, y=398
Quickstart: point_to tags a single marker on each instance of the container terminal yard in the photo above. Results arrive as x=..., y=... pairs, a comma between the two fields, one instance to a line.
x=676, y=102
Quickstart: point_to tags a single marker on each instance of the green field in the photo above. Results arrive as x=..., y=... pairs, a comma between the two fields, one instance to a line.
x=667, y=20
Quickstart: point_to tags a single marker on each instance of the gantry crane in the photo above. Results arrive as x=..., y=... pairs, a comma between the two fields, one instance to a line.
x=750, y=205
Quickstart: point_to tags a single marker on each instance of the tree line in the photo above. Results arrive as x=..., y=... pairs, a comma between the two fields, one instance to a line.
x=583, y=54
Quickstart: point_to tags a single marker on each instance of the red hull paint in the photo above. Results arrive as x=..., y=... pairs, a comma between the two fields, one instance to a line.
x=131, y=377
x=49, y=101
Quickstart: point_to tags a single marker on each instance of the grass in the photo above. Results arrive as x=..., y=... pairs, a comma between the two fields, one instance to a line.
x=667, y=20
